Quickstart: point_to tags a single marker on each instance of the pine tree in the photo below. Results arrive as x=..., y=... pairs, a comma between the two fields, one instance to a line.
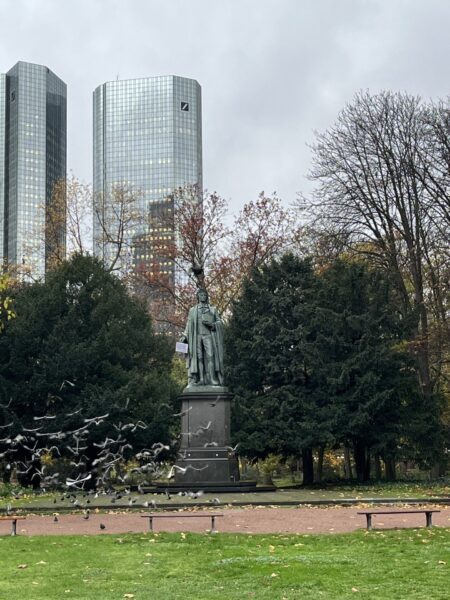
x=272, y=358
x=370, y=375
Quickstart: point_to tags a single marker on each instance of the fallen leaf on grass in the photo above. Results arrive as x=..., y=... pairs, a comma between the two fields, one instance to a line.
x=22, y=566
x=274, y=575
x=271, y=548
x=441, y=562
x=355, y=589
x=128, y=595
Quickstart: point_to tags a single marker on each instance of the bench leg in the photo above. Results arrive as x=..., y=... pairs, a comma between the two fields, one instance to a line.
x=429, y=516
x=213, y=525
x=150, y=524
x=14, y=527
x=369, y=522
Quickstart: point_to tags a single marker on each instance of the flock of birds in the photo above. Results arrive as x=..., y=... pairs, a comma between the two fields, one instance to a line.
x=32, y=452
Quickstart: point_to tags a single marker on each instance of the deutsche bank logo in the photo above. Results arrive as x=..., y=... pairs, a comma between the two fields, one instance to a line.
x=185, y=106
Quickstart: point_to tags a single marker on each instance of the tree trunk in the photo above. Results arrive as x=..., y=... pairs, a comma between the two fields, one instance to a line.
x=378, y=473
x=367, y=466
x=321, y=453
x=308, y=466
x=359, y=451
x=347, y=463
x=389, y=464
x=6, y=476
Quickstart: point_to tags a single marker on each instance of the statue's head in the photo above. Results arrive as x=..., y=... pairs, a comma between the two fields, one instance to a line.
x=202, y=295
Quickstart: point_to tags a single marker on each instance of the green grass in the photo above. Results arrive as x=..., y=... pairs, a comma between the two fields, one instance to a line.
x=398, y=564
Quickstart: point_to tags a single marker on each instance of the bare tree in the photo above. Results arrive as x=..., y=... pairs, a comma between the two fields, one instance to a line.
x=188, y=233
x=79, y=217
x=383, y=185
x=118, y=222
x=262, y=230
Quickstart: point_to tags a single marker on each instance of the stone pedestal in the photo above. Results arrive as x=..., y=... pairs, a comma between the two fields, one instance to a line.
x=205, y=456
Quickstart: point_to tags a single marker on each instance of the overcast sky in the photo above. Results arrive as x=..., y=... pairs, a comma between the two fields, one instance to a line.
x=271, y=71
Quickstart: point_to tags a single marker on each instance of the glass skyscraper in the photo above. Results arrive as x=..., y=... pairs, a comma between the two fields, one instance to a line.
x=32, y=161
x=147, y=141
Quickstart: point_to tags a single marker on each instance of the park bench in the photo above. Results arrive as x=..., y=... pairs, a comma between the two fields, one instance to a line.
x=211, y=516
x=13, y=519
x=369, y=513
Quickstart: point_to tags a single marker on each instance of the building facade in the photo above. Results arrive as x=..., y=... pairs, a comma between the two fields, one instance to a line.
x=147, y=143
x=32, y=161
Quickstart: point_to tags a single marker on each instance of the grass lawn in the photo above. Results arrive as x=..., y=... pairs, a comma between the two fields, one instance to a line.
x=399, y=564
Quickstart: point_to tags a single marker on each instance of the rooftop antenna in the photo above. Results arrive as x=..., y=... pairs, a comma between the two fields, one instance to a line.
x=117, y=77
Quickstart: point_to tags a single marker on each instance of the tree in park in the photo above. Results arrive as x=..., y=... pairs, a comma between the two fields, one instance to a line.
x=317, y=360
x=383, y=193
x=195, y=231
x=369, y=375
x=76, y=217
x=206, y=251
x=81, y=348
x=274, y=366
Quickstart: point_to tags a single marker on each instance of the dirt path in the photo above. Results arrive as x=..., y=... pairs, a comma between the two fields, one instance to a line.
x=245, y=520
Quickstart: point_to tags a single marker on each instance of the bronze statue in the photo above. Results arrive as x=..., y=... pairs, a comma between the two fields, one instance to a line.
x=204, y=336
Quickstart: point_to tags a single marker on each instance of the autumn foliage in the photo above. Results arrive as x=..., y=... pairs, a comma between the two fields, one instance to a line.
x=213, y=250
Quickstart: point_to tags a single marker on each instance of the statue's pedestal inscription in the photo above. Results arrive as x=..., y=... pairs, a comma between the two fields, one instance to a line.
x=205, y=455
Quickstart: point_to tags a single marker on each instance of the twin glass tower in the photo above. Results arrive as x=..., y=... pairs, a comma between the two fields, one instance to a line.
x=147, y=143
x=32, y=160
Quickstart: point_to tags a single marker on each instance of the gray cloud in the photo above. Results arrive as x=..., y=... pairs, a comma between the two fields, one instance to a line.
x=271, y=71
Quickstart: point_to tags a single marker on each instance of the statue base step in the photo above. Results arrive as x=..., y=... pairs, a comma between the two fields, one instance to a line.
x=228, y=487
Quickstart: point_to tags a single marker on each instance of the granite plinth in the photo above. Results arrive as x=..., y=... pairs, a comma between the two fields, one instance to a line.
x=205, y=455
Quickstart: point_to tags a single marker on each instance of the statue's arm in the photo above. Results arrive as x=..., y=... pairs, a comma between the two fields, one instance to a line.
x=217, y=318
x=184, y=336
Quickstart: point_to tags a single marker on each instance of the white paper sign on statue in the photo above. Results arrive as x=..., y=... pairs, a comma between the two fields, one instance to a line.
x=181, y=347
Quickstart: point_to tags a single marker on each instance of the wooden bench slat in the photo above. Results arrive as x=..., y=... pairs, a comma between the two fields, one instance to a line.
x=180, y=515
x=395, y=512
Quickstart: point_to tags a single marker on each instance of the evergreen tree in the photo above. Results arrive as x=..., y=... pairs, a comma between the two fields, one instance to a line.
x=319, y=359
x=274, y=366
x=370, y=375
x=80, y=348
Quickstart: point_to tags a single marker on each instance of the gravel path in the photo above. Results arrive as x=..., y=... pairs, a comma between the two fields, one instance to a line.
x=244, y=520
